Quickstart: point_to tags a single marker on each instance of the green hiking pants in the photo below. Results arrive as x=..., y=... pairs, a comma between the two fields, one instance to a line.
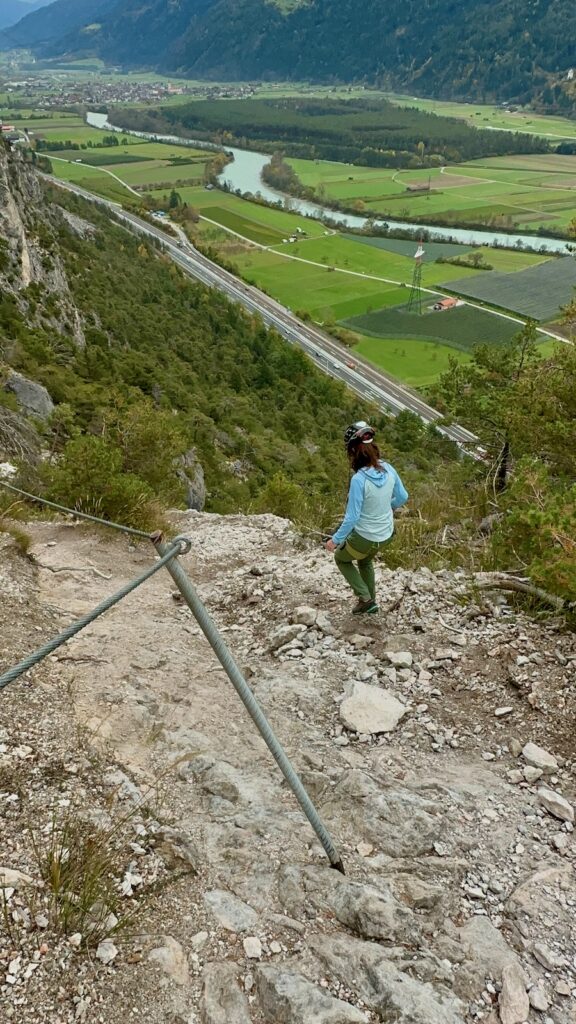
x=357, y=549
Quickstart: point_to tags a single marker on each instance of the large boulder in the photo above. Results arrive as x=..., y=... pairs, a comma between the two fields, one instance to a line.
x=33, y=399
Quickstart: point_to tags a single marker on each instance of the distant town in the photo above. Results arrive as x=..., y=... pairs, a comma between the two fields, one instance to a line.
x=59, y=89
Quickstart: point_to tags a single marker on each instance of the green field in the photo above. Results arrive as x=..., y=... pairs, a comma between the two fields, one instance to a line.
x=278, y=220
x=507, y=260
x=325, y=295
x=151, y=173
x=136, y=162
x=412, y=360
x=245, y=226
x=523, y=192
x=481, y=116
x=94, y=179
x=461, y=328
x=407, y=247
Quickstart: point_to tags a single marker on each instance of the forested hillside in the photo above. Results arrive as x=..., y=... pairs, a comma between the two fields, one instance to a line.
x=487, y=50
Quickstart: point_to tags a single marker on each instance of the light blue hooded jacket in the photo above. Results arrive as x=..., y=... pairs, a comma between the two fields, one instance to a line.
x=372, y=497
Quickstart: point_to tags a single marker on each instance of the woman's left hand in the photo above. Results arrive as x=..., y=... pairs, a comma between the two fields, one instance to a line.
x=330, y=545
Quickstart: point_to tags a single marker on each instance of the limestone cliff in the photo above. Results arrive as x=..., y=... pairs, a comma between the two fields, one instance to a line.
x=27, y=256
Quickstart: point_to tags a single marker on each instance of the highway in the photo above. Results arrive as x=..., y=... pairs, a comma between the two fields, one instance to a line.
x=332, y=358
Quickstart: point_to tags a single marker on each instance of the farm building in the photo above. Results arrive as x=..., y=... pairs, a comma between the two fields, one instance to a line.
x=448, y=303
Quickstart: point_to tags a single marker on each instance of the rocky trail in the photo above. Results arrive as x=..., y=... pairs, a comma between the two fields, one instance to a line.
x=437, y=740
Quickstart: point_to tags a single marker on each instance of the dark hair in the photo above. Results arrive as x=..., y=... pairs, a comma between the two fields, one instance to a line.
x=363, y=454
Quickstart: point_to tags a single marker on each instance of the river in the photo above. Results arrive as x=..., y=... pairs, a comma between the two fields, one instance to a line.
x=244, y=174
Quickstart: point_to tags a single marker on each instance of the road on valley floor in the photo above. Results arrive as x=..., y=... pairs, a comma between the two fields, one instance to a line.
x=358, y=374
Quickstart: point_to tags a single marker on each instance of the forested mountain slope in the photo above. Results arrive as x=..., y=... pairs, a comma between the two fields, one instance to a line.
x=492, y=49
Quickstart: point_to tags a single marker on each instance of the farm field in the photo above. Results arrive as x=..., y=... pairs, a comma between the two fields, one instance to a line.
x=502, y=259
x=327, y=294
x=93, y=179
x=143, y=174
x=531, y=192
x=461, y=328
x=145, y=163
x=351, y=253
x=482, y=116
x=412, y=360
x=152, y=172
x=222, y=204
x=263, y=234
x=314, y=290
x=537, y=292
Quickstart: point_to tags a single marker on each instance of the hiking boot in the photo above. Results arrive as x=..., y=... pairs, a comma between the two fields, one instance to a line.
x=368, y=607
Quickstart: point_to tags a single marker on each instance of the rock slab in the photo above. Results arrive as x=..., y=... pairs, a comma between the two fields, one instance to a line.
x=539, y=758
x=222, y=1001
x=370, y=709
x=171, y=959
x=513, y=1002
x=395, y=996
x=288, y=998
x=33, y=399
x=230, y=912
x=555, y=804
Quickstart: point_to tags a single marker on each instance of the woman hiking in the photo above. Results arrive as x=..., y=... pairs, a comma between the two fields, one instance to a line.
x=375, y=491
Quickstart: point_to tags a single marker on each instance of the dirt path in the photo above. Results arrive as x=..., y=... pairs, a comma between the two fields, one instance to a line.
x=442, y=834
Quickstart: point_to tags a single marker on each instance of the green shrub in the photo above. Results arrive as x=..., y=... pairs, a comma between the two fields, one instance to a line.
x=89, y=477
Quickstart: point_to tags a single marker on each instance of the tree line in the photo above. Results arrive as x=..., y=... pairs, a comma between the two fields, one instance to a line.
x=367, y=132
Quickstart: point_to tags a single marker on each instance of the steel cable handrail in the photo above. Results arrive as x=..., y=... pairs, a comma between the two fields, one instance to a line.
x=75, y=512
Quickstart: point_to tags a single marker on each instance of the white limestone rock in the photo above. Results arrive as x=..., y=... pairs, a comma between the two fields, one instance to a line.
x=171, y=959
x=513, y=1002
x=370, y=709
x=539, y=758
x=230, y=912
x=556, y=804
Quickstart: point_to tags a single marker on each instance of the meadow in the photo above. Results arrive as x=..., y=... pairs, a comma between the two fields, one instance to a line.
x=500, y=118
x=507, y=260
x=528, y=192
x=416, y=362
x=235, y=213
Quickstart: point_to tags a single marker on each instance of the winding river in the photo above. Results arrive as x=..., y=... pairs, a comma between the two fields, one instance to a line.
x=244, y=174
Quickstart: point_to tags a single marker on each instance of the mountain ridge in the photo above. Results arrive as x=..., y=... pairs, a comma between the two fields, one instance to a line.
x=492, y=50
x=12, y=11
x=44, y=25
